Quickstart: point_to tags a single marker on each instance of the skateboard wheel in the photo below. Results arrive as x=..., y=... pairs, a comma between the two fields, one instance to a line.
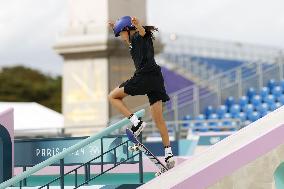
x=133, y=148
x=158, y=174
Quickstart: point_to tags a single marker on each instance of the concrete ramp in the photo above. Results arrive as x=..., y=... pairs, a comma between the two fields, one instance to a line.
x=245, y=160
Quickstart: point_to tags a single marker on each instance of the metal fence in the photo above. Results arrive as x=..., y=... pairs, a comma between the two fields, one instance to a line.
x=215, y=90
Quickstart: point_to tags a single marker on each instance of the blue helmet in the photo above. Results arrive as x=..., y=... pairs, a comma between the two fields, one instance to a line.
x=121, y=24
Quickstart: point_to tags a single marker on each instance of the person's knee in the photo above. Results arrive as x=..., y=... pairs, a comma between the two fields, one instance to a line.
x=112, y=96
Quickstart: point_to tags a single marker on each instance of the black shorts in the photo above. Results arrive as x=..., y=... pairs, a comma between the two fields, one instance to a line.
x=151, y=84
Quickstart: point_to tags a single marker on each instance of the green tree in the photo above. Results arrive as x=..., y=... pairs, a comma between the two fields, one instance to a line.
x=22, y=84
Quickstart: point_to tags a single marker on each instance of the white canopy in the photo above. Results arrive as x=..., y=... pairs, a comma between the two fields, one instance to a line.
x=33, y=116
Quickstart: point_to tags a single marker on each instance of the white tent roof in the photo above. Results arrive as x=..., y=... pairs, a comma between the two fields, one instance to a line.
x=31, y=115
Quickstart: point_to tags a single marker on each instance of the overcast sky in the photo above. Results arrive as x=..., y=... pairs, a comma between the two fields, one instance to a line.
x=28, y=28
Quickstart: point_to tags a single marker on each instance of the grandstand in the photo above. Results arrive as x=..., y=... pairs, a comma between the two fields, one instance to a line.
x=224, y=118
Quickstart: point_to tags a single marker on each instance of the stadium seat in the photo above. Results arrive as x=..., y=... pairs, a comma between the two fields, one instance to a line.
x=203, y=127
x=213, y=123
x=235, y=109
x=229, y=101
x=251, y=92
x=243, y=101
x=242, y=116
x=277, y=91
x=278, y=105
x=274, y=106
x=248, y=108
x=186, y=118
x=281, y=84
x=208, y=111
x=256, y=100
x=200, y=117
x=213, y=116
x=281, y=99
x=270, y=99
x=271, y=84
x=253, y=116
x=221, y=111
x=263, y=109
x=227, y=123
x=264, y=92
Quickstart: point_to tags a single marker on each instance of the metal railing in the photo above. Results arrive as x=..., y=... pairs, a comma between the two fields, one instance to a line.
x=234, y=83
x=60, y=156
x=88, y=164
x=179, y=129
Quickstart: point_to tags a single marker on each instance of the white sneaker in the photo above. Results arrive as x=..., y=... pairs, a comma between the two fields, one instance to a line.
x=138, y=128
x=170, y=160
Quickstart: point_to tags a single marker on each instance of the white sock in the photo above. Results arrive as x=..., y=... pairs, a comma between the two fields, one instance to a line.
x=168, y=150
x=134, y=120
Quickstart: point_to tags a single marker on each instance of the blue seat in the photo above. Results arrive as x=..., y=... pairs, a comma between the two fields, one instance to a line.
x=281, y=99
x=264, y=113
x=213, y=116
x=256, y=100
x=235, y=109
x=200, y=118
x=278, y=105
x=274, y=106
x=229, y=101
x=186, y=118
x=199, y=122
x=253, y=116
x=263, y=109
x=213, y=123
x=221, y=110
x=270, y=99
x=227, y=116
x=277, y=91
x=251, y=92
x=264, y=92
x=227, y=123
x=208, y=111
x=202, y=128
x=271, y=84
x=281, y=84
x=248, y=108
x=243, y=101
x=242, y=116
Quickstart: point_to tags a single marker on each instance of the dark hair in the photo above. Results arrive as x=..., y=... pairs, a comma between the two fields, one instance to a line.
x=149, y=30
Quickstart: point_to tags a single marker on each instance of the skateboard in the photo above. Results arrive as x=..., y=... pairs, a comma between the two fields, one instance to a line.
x=138, y=146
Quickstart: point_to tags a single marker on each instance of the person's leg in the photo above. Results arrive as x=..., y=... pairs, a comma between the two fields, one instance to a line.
x=116, y=99
x=157, y=116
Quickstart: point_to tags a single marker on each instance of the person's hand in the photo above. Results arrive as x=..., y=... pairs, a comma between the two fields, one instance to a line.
x=111, y=24
x=135, y=21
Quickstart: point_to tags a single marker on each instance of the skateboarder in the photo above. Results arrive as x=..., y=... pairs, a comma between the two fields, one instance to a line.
x=147, y=79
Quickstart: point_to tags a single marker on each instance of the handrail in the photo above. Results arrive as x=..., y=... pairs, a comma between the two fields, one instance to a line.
x=69, y=150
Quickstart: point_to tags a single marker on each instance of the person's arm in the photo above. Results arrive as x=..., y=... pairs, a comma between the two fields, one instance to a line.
x=138, y=26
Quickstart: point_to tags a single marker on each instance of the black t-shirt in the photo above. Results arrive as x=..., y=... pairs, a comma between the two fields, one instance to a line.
x=142, y=52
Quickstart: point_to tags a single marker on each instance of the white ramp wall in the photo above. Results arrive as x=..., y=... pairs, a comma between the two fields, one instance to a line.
x=241, y=155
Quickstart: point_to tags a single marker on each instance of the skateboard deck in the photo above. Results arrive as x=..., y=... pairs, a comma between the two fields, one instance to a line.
x=148, y=153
